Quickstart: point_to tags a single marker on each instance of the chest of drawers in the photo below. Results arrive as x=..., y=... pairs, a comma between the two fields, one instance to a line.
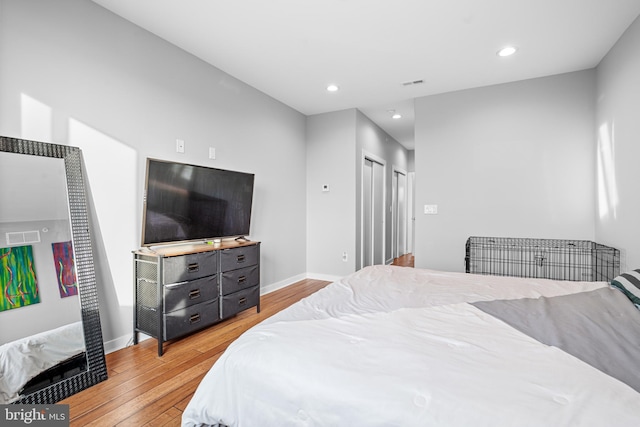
x=182, y=290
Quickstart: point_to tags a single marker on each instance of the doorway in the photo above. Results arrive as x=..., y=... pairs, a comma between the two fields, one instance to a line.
x=411, y=216
x=399, y=209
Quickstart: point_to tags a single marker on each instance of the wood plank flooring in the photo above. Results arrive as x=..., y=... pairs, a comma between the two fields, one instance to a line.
x=404, y=261
x=146, y=390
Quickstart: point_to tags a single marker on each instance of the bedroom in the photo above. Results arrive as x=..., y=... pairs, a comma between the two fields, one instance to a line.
x=102, y=94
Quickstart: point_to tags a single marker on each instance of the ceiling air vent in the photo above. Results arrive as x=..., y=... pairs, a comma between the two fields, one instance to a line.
x=22, y=237
x=413, y=82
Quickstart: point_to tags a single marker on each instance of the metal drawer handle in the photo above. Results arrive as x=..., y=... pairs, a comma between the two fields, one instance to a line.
x=194, y=294
x=242, y=301
x=242, y=279
x=195, y=318
x=175, y=285
x=193, y=267
x=240, y=258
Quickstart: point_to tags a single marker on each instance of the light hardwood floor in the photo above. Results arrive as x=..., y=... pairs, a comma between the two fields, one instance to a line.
x=404, y=261
x=146, y=390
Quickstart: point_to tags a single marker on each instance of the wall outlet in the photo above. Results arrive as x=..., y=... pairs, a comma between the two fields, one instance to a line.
x=179, y=146
x=431, y=209
x=345, y=258
x=212, y=153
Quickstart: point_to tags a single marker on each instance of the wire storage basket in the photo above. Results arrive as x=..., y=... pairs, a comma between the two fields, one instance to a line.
x=577, y=260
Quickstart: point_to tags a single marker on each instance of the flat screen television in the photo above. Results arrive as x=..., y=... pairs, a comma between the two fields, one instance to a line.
x=186, y=203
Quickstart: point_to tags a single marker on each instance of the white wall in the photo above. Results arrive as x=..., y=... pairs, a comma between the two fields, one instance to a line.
x=618, y=149
x=513, y=160
x=38, y=189
x=331, y=215
x=122, y=95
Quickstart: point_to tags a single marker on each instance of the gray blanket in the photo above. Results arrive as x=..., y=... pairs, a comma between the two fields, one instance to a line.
x=600, y=327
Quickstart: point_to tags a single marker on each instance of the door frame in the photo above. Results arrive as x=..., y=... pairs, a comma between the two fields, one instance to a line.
x=395, y=219
x=411, y=214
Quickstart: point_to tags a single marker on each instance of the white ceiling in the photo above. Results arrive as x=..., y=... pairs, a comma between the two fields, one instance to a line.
x=292, y=49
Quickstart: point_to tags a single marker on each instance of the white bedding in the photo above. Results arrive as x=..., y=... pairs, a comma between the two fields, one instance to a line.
x=23, y=359
x=394, y=346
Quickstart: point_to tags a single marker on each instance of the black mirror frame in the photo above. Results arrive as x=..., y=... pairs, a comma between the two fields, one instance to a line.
x=85, y=271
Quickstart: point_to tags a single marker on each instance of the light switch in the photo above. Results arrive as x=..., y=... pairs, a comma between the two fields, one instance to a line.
x=212, y=153
x=431, y=209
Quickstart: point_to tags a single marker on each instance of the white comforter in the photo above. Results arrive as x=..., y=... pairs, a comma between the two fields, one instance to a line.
x=393, y=346
x=23, y=359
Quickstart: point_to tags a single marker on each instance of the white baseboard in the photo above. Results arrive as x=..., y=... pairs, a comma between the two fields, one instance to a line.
x=119, y=343
x=281, y=284
x=124, y=341
x=319, y=276
x=291, y=280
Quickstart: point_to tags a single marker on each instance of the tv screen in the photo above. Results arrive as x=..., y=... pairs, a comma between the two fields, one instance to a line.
x=188, y=202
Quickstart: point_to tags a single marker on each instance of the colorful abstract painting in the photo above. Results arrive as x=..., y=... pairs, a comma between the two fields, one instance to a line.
x=65, y=269
x=18, y=281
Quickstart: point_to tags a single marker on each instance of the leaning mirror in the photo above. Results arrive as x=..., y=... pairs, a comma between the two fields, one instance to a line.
x=51, y=340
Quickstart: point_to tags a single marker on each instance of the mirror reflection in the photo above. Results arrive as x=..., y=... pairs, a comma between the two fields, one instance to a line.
x=50, y=339
x=39, y=300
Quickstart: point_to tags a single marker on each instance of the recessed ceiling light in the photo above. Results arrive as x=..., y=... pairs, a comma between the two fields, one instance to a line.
x=507, y=51
x=396, y=116
x=332, y=88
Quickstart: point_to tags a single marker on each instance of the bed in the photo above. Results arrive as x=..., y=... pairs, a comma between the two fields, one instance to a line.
x=29, y=363
x=395, y=346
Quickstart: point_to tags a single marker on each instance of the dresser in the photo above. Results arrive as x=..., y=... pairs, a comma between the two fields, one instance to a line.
x=182, y=289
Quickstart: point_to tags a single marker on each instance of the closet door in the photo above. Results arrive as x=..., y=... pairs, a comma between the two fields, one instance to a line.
x=372, y=213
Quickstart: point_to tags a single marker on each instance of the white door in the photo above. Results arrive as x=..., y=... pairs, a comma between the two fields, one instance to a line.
x=410, y=211
x=372, y=213
x=399, y=214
